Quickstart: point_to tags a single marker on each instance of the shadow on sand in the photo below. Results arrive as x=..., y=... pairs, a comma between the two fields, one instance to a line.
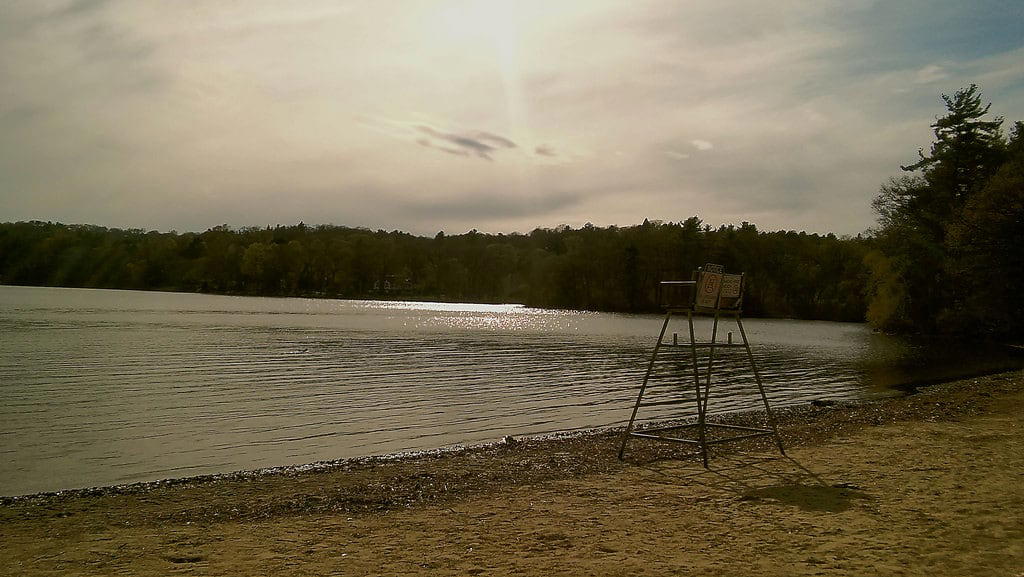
x=768, y=479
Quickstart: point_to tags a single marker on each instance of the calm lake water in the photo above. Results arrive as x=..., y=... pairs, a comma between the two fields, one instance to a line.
x=104, y=387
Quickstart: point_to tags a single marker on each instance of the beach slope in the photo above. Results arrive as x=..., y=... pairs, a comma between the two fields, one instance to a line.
x=927, y=484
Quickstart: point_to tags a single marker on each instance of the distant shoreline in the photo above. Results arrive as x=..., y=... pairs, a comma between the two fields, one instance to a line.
x=405, y=298
x=382, y=298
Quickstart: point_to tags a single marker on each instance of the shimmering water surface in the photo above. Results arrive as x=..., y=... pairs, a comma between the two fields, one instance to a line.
x=106, y=387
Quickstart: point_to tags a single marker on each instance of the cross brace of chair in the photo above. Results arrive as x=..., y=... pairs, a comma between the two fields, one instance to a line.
x=702, y=392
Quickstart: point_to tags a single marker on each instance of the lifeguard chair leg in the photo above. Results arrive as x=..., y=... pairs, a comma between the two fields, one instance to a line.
x=760, y=387
x=696, y=386
x=643, y=387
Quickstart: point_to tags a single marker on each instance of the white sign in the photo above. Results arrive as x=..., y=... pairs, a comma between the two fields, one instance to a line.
x=731, y=286
x=707, y=289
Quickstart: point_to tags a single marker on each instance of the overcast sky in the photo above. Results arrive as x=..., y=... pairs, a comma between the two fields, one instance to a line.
x=489, y=114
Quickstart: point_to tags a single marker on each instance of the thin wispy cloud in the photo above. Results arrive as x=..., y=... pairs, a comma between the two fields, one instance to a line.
x=702, y=144
x=931, y=73
x=545, y=150
x=476, y=143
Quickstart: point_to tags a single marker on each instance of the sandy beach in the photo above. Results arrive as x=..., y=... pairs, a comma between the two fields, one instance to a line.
x=927, y=484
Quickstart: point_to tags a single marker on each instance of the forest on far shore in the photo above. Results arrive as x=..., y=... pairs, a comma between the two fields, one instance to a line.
x=590, y=268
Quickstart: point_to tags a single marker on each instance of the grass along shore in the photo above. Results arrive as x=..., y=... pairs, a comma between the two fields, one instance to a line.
x=927, y=484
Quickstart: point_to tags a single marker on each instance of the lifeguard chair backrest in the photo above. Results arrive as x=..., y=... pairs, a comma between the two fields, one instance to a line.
x=718, y=290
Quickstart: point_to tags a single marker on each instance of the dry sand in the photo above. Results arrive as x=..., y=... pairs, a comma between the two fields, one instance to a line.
x=928, y=484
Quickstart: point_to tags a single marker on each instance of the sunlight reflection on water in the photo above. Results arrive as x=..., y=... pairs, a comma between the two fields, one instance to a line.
x=440, y=307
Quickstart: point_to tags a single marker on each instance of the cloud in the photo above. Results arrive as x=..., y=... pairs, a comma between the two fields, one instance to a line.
x=702, y=144
x=450, y=150
x=545, y=150
x=676, y=154
x=77, y=7
x=929, y=74
x=479, y=143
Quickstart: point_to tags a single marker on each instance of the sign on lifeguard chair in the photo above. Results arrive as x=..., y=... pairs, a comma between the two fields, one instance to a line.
x=717, y=290
x=710, y=292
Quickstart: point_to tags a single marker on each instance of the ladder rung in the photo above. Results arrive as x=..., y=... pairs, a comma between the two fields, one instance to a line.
x=706, y=425
x=672, y=402
x=740, y=427
x=661, y=438
x=696, y=441
x=665, y=428
x=662, y=381
x=702, y=345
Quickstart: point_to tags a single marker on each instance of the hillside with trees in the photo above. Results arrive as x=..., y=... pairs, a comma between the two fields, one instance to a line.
x=590, y=268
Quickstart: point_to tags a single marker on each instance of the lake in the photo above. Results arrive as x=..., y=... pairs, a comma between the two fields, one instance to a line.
x=103, y=387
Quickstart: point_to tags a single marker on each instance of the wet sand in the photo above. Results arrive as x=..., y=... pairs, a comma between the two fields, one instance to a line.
x=927, y=484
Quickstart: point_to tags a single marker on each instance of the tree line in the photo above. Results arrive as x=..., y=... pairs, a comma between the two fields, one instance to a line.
x=612, y=268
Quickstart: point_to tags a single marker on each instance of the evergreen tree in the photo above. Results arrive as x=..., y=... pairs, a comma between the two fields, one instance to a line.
x=988, y=250
x=966, y=152
x=917, y=272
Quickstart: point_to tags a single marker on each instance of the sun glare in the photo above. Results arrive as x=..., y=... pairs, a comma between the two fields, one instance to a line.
x=492, y=25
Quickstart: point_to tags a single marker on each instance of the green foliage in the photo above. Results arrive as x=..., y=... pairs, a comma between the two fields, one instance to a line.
x=612, y=269
x=886, y=307
x=948, y=238
x=988, y=245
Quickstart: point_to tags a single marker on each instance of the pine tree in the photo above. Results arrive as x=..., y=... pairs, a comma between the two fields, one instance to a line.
x=966, y=152
x=916, y=214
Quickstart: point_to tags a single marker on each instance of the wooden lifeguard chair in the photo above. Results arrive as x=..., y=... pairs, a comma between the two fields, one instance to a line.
x=710, y=292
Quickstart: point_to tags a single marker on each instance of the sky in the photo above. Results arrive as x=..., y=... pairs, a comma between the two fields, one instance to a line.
x=495, y=115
